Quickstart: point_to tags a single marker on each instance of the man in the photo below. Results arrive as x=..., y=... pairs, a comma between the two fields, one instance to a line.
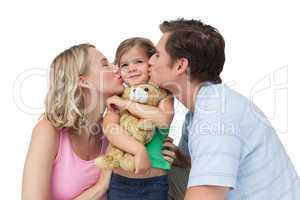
x=235, y=153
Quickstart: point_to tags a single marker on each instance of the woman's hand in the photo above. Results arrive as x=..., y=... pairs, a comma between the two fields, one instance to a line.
x=98, y=190
x=104, y=179
x=169, y=150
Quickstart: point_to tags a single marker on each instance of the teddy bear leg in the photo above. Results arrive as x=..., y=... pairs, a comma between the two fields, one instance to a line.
x=127, y=162
x=104, y=162
x=111, y=159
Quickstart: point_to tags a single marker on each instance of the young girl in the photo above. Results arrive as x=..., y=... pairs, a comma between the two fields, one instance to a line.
x=150, y=179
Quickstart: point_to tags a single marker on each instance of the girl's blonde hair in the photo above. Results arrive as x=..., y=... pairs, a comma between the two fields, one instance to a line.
x=64, y=104
x=129, y=43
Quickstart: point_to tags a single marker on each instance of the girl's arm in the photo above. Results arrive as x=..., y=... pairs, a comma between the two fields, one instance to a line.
x=162, y=115
x=119, y=137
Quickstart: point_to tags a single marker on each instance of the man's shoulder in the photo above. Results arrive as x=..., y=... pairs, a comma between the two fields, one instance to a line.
x=219, y=99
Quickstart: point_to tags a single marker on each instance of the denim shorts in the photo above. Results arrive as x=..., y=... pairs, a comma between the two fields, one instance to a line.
x=123, y=188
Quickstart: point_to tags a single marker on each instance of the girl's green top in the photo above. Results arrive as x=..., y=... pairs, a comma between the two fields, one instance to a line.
x=154, y=148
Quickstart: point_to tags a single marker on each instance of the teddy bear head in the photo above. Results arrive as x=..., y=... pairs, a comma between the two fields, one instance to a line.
x=145, y=93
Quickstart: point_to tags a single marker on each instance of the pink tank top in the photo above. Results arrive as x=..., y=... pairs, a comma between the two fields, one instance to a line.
x=71, y=175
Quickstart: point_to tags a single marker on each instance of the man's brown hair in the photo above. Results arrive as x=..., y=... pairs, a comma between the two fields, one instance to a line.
x=202, y=45
x=127, y=44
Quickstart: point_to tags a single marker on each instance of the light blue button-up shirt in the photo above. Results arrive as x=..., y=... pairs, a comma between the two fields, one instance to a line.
x=232, y=144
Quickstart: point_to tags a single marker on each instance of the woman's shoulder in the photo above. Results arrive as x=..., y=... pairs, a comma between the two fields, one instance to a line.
x=44, y=134
x=44, y=125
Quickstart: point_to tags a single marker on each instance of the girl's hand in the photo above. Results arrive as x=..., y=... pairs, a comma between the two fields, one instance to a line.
x=169, y=152
x=142, y=162
x=116, y=102
x=104, y=179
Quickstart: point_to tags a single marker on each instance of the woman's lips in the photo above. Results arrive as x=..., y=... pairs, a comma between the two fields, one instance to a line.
x=133, y=76
x=119, y=78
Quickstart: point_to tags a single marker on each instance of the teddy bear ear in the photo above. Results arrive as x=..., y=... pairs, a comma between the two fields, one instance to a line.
x=126, y=93
x=153, y=84
x=162, y=94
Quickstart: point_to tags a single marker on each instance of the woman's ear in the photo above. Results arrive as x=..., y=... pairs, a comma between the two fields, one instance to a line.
x=182, y=66
x=83, y=82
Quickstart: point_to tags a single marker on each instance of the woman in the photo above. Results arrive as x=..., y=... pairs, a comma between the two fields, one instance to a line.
x=65, y=142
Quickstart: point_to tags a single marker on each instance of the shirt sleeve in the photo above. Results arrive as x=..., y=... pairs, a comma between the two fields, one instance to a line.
x=215, y=150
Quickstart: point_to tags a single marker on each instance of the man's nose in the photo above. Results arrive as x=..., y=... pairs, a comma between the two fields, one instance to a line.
x=150, y=62
x=150, y=66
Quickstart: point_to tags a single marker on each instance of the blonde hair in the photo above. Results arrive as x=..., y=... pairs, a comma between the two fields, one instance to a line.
x=129, y=43
x=64, y=104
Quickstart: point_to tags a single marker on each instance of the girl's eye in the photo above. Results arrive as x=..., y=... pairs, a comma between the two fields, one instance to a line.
x=124, y=65
x=140, y=61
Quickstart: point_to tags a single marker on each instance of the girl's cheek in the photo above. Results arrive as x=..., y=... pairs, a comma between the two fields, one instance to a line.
x=123, y=74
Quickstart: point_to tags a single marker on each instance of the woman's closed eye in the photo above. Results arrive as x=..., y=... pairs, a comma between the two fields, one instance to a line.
x=105, y=62
x=124, y=65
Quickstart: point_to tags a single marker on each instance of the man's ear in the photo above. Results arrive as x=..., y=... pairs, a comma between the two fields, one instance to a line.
x=181, y=66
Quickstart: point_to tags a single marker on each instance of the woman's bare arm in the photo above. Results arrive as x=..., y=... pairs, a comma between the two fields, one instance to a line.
x=99, y=189
x=39, y=162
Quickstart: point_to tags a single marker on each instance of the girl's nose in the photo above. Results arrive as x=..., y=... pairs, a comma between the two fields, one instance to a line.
x=131, y=67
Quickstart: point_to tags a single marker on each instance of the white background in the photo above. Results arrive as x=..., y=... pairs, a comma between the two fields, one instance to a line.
x=262, y=49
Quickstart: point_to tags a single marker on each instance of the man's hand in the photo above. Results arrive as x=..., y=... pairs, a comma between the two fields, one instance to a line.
x=174, y=156
x=169, y=150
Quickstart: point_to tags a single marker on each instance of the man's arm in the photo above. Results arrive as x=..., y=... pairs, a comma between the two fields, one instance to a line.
x=206, y=193
x=215, y=152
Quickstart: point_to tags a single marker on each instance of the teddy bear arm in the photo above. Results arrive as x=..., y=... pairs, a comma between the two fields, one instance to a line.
x=146, y=124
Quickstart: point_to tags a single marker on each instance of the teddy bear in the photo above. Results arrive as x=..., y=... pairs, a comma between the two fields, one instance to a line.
x=147, y=94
